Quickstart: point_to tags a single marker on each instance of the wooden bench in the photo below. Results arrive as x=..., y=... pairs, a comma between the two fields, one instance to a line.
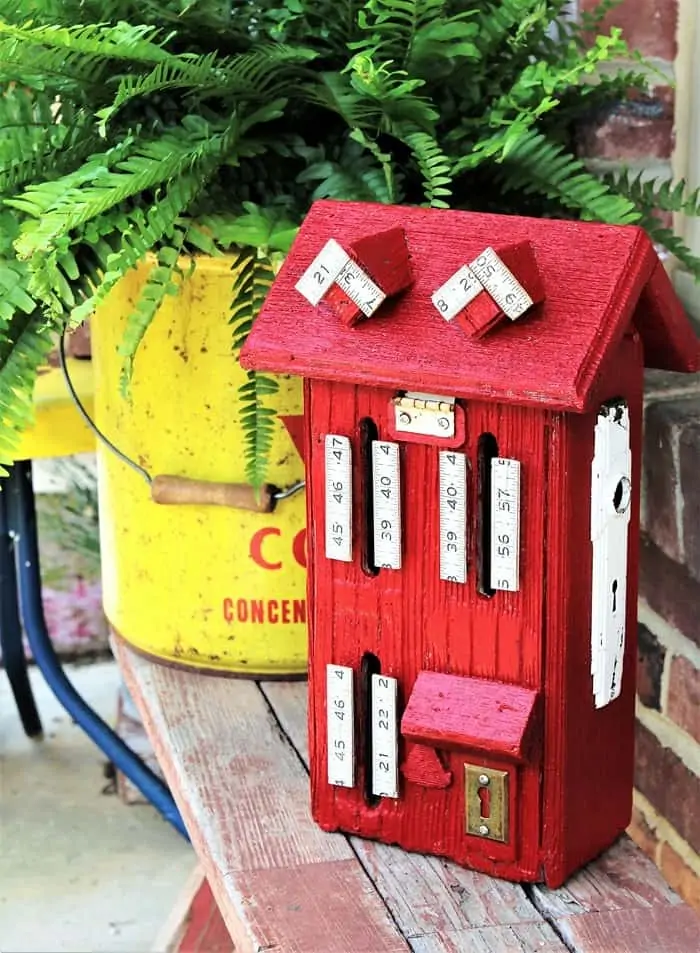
x=235, y=755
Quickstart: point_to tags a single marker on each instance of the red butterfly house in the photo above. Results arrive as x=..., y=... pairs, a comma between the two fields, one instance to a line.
x=473, y=410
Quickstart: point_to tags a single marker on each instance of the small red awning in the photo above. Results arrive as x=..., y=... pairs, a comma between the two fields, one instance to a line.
x=453, y=711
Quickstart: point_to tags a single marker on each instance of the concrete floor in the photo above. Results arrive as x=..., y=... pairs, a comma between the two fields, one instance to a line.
x=80, y=872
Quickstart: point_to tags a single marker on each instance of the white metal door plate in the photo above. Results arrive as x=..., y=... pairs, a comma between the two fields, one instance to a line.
x=611, y=496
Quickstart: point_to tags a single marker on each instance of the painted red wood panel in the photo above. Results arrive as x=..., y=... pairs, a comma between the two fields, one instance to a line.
x=412, y=621
x=593, y=276
x=588, y=768
x=450, y=711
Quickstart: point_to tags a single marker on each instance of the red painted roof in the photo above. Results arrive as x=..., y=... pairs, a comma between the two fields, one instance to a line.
x=597, y=279
x=470, y=714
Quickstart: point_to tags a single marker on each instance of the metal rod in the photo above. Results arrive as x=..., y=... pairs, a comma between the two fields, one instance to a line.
x=22, y=516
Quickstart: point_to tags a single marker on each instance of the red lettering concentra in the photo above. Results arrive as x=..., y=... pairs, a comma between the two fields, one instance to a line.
x=258, y=612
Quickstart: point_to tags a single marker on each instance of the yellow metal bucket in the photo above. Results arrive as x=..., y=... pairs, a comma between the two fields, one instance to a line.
x=209, y=587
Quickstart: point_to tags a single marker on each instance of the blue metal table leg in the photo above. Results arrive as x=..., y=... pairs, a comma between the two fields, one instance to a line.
x=13, y=655
x=22, y=516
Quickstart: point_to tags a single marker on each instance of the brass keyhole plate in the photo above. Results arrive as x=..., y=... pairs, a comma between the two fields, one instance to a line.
x=495, y=826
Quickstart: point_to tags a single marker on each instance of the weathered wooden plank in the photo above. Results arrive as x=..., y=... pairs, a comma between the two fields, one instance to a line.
x=520, y=938
x=656, y=929
x=435, y=903
x=443, y=908
x=621, y=878
x=243, y=795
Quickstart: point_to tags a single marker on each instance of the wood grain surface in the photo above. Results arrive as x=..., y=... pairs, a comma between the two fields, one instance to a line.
x=234, y=755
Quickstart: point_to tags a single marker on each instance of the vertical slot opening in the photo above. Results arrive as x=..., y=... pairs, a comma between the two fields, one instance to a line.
x=369, y=666
x=368, y=433
x=487, y=450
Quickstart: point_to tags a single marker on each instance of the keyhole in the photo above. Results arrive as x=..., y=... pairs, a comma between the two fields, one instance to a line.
x=614, y=595
x=484, y=802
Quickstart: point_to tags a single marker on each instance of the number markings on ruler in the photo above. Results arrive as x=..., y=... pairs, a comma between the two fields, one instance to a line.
x=360, y=288
x=386, y=492
x=457, y=292
x=501, y=284
x=385, y=739
x=341, y=726
x=453, y=516
x=322, y=272
x=505, y=524
x=334, y=265
x=338, y=454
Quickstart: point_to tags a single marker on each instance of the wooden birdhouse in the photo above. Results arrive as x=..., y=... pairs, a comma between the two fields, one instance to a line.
x=473, y=478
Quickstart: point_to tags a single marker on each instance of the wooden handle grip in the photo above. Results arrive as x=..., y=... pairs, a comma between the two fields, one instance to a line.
x=182, y=491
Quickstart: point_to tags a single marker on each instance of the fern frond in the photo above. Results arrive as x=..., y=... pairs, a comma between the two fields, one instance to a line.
x=534, y=164
x=150, y=164
x=160, y=283
x=253, y=277
x=434, y=166
x=96, y=41
x=649, y=194
x=141, y=231
x=673, y=243
x=260, y=74
x=352, y=175
x=24, y=346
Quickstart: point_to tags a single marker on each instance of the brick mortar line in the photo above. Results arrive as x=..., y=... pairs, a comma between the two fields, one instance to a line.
x=665, y=682
x=667, y=394
x=666, y=833
x=667, y=635
x=671, y=736
x=678, y=494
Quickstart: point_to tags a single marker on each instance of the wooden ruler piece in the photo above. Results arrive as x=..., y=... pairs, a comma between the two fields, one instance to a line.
x=385, y=739
x=322, y=272
x=457, y=292
x=386, y=492
x=360, y=288
x=453, y=516
x=501, y=284
x=338, y=458
x=341, y=726
x=505, y=524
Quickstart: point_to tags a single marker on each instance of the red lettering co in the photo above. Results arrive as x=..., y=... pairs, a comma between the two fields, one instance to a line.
x=261, y=611
x=265, y=552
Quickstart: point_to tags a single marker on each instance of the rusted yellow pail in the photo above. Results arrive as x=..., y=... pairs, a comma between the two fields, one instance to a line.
x=206, y=586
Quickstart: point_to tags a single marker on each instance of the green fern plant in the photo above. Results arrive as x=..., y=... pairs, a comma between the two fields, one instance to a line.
x=174, y=128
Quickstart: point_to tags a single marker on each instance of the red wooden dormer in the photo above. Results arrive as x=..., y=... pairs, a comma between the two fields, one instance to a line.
x=473, y=512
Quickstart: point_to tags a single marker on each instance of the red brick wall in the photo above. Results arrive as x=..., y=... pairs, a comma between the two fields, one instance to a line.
x=666, y=821
x=639, y=133
x=667, y=813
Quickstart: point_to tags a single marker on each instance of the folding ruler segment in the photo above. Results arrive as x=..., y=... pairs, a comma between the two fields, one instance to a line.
x=453, y=516
x=338, y=460
x=505, y=524
x=385, y=739
x=341, y=726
